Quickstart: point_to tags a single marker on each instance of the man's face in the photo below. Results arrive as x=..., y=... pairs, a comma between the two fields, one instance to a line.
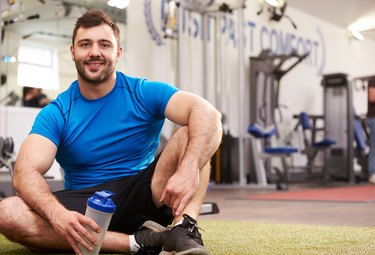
x=95, y=53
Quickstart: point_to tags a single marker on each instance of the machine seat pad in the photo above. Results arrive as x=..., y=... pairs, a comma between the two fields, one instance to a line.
x=326, y=142
x=280, y=150
x=259, y=132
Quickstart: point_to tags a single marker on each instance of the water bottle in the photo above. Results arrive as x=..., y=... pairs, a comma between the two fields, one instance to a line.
x=100, y=208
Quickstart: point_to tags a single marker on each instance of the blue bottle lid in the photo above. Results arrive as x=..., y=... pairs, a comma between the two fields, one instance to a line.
x=101, y=201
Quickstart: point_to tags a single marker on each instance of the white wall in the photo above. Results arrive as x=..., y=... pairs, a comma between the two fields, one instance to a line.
x=331, y=51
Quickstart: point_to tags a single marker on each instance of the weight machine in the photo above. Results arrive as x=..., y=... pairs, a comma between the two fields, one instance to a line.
x=343, y=125
x=266, y=72
x=6, y=158
x=339, y=124
x=215, y=79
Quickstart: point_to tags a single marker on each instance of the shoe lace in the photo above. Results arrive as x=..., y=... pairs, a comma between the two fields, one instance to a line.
x=193, y=228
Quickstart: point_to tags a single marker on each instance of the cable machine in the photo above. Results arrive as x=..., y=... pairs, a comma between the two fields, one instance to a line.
x=338, y=124
x=173, y=28
x=342, y=124
x=266, y=72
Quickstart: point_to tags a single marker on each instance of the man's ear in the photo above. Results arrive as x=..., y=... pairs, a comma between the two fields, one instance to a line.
x=119, y=52
x=72, y=52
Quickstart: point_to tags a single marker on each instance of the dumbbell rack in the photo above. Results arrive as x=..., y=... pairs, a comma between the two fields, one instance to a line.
x=6, y=156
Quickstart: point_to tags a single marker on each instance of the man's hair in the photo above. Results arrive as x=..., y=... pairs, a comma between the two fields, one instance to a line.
x=93, y=18
x=26, y=90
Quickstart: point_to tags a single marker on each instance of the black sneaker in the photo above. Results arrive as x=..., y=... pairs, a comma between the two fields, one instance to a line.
x=184, y=239
x=149, y=237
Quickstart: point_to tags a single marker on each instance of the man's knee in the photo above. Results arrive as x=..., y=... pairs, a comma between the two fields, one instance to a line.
x=7, y=207
x=8, y=217
x=176, y=145
x=181, y=136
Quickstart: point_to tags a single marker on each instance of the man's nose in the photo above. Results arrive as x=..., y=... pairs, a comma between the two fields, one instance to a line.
x=95, y=50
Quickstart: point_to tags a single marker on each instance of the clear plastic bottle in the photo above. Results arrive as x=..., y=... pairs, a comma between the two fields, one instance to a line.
x=100, y=208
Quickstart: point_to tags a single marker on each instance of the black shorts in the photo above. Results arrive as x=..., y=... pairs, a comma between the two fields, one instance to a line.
x=133, y=199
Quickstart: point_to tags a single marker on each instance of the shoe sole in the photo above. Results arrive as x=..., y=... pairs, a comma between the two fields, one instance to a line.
x=154, y=226
x=194, y=251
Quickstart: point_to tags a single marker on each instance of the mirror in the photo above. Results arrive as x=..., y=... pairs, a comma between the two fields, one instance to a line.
x=45, y=26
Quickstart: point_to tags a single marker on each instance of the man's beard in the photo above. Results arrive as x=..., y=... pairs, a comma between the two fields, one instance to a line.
x=101, y=76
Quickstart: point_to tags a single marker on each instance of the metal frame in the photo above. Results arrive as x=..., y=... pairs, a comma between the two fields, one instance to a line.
x=339, y=125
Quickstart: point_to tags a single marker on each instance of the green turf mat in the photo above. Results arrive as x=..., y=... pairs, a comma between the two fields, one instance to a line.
x=239, y=238
x=235, y=238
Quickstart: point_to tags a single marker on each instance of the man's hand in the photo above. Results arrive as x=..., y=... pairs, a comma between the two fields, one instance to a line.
x=180, y=189
x=71, y=225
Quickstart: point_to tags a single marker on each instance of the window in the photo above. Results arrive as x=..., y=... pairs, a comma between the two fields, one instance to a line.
x=37, y=67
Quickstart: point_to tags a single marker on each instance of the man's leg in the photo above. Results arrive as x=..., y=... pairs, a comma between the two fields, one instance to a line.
x=22, y=225
x=169, y=159
x=183, y=238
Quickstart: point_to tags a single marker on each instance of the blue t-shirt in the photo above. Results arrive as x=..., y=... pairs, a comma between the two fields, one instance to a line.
x=107, y=138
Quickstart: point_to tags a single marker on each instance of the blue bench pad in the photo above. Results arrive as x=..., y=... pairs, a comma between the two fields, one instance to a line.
x=280, y=150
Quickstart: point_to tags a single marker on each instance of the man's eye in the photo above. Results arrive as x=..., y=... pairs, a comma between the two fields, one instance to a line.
x=105, y=45
x=84, y=45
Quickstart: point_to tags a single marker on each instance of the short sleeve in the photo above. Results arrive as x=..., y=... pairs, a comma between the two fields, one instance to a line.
x=155, y=96
x=49, y=123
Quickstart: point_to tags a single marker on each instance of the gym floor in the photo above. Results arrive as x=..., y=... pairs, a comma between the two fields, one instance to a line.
x=233, y=206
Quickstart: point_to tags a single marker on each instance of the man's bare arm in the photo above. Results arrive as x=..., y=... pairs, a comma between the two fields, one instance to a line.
x=204, y=125
x=35, y=158
x=205, y=132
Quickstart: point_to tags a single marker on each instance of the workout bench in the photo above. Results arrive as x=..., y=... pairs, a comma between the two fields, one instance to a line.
x=262, y=155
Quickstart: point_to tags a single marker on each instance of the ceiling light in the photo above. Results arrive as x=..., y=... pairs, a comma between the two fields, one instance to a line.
x=120, y=4
x=276, y=3
x=277, y=10
x=366, y=22
x=357, y=35
x=9, y=59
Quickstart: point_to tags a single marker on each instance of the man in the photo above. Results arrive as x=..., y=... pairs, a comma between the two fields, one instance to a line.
x=33, y=97
x=371, y=124
x=104, y=131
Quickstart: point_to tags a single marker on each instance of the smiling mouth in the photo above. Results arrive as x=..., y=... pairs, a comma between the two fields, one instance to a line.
x=94, y=65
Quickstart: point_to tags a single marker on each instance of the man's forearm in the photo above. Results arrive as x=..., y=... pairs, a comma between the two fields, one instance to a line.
x=205, y=133
x=34, y=190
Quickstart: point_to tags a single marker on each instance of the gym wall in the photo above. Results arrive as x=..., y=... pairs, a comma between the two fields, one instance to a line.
x=149, y=54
